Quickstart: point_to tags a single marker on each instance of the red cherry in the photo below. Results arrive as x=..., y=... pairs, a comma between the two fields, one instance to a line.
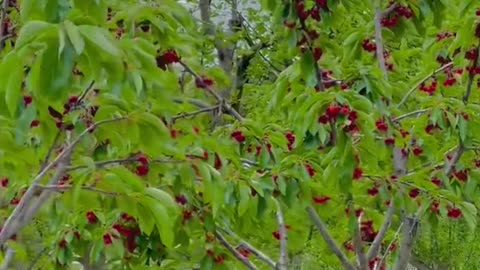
x=454, y=213
x=203, y=82
x=217, y=162
x=62, y=244
x=381, y=125
x=449, y=82
x=372, y=191
x=436, y=181
x=389, y=141
x=348, y=245
x=219, y=259
x=357, y=173
x=107, y=239
x=180, y=199
x=171, y=57
x=91, y=217
x=27, y=100
x=323, y=119
x=238, y=136
x=4, y=182
x=73, y=99
x=142, y=159
x=321, y=200
x=311, y=171
x=414, y=193
x=245, y=252
x=435, y=207
x=417, y=150
x=141, y=170
x=333, y=111
x=471, y=54
x=317, y=53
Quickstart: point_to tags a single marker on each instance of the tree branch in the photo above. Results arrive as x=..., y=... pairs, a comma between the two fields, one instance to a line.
x=358, y=247
x=456, y=156
x=212, y=92
x=375, y=247
x=406, y=245
x=59, y=188
x=471, y=75
x=410, y=114
x=243, y=243
x=195, y=102
x=283, y=259
x=104, y=163
x=328, y=239
x=192, y=114
x=10, y=227
x=379, y=42
x=410, y=92
x=235, y=253
x=389, y=246
x=7, y=260
x=3, y=17
x=260, y=255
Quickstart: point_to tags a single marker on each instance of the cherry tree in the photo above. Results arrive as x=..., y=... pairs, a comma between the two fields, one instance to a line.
x=299, y=134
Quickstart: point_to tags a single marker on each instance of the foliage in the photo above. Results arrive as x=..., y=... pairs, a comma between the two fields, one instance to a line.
x=133, y=135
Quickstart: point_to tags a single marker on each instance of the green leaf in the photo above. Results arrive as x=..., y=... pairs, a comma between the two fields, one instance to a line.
x=462, y=126
x=31, y=31
x=74, y=36
x=469, y=212
x=162, y=196
x=244, y=200
x=163, y=222
x=307, y=67
x=101, y=39
x=14, y=85
x=145, y=220
x=132, y=180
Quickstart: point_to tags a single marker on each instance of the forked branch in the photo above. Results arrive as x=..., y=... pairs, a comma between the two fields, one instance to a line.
x=328, y=239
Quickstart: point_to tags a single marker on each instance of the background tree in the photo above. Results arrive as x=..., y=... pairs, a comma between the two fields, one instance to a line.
x=298, y=135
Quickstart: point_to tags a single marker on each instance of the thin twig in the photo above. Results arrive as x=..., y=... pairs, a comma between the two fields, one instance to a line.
x=59, y=188
x=358, y=246
x=37, y=258
x=3, y=17
x=243, y=243
x=283, y=258
x=320, y=85
x=471, y=75
x=50, y=150
x=456, y=156
x=379, y=42
x=234, y=252
x=395, y=236
x=328, y=239
x=389, y=9
x=104, y=163
x=84, y=94
x=410, y=114
x=9, y=227
x=410, y=92
x=257, y=253
x=212, y=92
x=7, y=260
x=191, y=114
x=374, y=248
x=195, y=102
